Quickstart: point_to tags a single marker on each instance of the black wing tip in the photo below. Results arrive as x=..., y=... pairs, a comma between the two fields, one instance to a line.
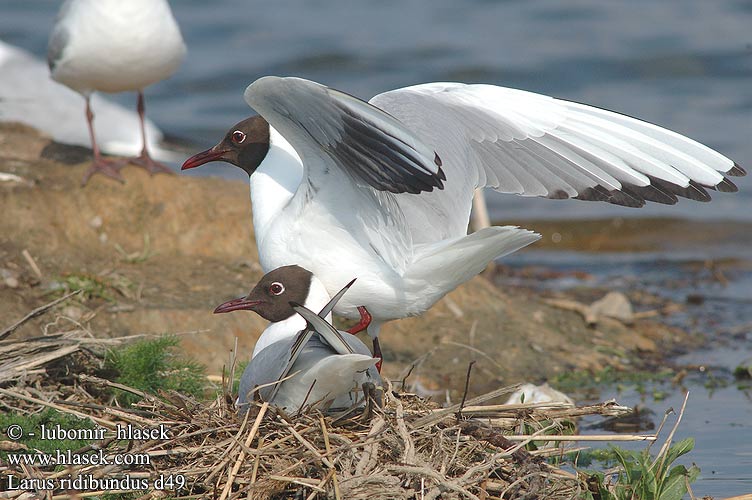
x=699, y=193
x=559, y=194
x=624, y=198
x=736, y=171
x=726, y=186
x=437, y=160
x=658, y=191
x=440, y=172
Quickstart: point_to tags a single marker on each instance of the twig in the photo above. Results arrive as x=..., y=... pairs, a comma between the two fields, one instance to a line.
x=404, y=379
x=329, y=451
x=36, y=312
x=488, y=434
x=302, y=481
x=582, y=437
x=257, y=460
x=63, y=409
x=660, y=427
x=32, y=263
x=241, y=456
x=441, y=414
x=432, y=474
x=464, y=393
x=321, y=485
x=307, y=444
x=664, y=449
x=108, y=383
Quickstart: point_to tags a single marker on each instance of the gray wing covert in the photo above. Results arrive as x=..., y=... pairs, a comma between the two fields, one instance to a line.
x=361, y=140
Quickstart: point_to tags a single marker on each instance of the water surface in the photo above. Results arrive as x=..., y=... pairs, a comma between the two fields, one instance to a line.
x=686, y=65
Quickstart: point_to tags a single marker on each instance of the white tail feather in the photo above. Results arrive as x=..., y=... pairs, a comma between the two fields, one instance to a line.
x=450, y=265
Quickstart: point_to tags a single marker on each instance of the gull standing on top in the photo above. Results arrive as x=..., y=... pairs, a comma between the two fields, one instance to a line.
x=329, y=368
x=115, y=46
x=382, y=190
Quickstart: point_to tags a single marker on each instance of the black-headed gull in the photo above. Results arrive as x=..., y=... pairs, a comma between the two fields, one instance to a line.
x=382, y=190
x=115, y=46
x=325, y=367
x=30, y=96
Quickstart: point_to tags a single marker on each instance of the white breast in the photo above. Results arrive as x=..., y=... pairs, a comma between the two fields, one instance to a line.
x=317, y=298
x=116, y=45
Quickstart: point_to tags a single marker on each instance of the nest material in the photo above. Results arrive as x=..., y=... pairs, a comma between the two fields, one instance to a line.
x=410, y=448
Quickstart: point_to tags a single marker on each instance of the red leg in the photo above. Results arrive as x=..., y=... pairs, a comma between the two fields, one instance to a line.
x=377, y=353
x=365, y=320
x=100, y=165
x=145, y=160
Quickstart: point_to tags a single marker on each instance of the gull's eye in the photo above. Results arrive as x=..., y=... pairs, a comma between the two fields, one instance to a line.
x=276, y=288
x=238, y=137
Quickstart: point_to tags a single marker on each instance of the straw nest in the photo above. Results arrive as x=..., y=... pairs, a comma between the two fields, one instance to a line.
x=408, y=448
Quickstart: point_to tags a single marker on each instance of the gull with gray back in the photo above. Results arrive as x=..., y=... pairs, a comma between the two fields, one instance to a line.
x=115, y=46
x=326, y=368
x=383, y=189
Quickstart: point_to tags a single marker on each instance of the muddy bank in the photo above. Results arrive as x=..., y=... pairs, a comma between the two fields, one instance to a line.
x=157, y=254
x=637, y=235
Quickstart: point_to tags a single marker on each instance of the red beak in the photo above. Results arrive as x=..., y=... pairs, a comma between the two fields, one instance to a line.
x=237, y=305
x=204, y=157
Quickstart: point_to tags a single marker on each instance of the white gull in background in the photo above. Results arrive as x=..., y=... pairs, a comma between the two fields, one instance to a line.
x=28, y=95
x=115, y=46
x=325, y=367
x=382, y=190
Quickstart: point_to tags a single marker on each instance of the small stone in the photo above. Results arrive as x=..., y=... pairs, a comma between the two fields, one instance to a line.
x=103, y=237
x=73, y=312
x=695, y=299
x=7, y=177
x=614, y=305
x=10, y=277
x=96, y=222
x=531, y=393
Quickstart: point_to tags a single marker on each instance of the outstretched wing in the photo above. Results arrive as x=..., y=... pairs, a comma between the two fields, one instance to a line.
x=533, y=145
x=331, y=129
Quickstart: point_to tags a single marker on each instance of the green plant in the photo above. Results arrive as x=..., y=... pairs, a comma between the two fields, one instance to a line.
x=153, y=365
x=238, y=374
x=104, y=287
x=32, y=427
x=743, y=371
x=641, y=475
x=136, y=257
x=92, y=287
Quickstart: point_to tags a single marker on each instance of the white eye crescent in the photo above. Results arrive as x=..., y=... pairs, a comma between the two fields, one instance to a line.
x=276, y=288
x=238, y=137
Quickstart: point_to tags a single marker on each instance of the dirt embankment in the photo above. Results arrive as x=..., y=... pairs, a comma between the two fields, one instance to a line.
x=157, y=254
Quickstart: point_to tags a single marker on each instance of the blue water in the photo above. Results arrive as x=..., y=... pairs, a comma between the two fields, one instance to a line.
x=686, y=65
x=719, y=410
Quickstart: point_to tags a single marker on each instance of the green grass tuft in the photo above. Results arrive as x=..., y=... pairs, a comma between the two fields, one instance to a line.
x=153, y=365
x=743, y=371
x=49, y=418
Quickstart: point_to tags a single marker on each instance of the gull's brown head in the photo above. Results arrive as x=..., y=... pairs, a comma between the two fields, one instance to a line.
x=271, y=296
x=245, y=145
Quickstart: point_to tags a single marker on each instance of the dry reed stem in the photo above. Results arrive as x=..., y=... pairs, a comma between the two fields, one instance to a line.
x=241, y=455
x=36, y=312
x=408, y=449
